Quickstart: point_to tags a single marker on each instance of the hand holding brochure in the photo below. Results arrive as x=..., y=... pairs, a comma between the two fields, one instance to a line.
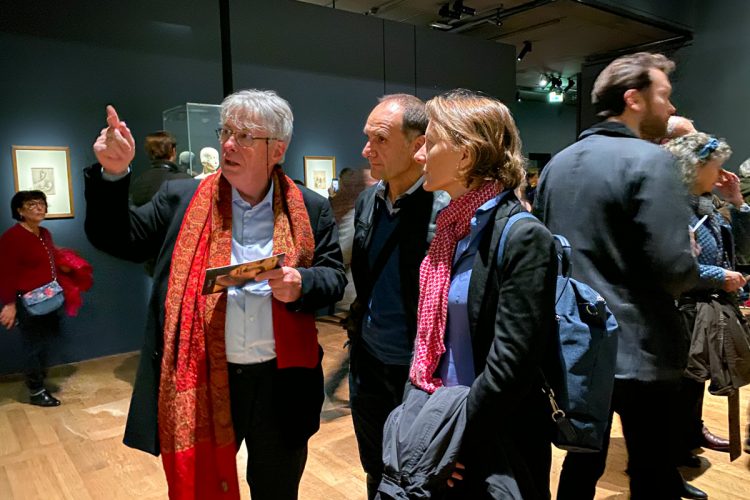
x=219, y=279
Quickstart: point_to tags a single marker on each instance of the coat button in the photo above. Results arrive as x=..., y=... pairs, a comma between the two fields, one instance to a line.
x=224, y=486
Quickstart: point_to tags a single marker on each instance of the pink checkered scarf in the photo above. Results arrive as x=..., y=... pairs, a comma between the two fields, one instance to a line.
x=435, y=281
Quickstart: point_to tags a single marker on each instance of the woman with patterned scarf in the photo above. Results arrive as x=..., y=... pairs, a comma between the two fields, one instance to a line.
x=481, y=323
x=719, y=234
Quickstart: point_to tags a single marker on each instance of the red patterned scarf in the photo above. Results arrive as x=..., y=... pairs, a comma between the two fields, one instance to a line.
x=195, y=424
x=435, y=281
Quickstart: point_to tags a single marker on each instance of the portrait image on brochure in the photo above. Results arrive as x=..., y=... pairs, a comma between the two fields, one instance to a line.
x=219, y=279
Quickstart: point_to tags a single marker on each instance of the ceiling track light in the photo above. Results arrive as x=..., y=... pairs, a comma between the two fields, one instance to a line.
x=570, y=85
x=555, y=83
x=524, y=50
x=457, y=11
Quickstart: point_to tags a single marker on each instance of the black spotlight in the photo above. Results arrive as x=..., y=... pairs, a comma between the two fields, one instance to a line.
x=445, y=11
x=455, y=12
x=524, y=50
x=570, y=85
x=555, y=83
x=458, y=6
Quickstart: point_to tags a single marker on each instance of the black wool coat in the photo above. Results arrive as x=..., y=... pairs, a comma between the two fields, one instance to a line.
x=145, y=186
x=149, y=231
x=511, y=306
x=620, y=202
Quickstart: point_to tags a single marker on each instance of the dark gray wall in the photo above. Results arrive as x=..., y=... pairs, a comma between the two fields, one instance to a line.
x=60, y=75
x=333, y=65
x=712, y=74
x=545, y=127
x=65, y=64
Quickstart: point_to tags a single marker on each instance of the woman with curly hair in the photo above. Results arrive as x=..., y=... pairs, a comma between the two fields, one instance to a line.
x=721, y=230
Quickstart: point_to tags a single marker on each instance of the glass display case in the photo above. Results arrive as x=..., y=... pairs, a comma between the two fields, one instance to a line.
x=194, y=126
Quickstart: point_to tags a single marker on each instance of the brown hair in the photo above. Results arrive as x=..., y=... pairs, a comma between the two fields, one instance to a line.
x=623, y=74
x=160, y=145
x=486, y=128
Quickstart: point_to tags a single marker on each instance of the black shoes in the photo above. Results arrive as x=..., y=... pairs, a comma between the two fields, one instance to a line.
x=690, y=491
x=687, y=459
x=44, y=398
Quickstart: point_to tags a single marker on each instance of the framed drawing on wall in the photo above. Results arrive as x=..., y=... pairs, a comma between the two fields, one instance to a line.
x=319, y=172
x=46, y=169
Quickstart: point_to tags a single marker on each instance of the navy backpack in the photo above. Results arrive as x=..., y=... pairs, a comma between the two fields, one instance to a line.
x=588, y=345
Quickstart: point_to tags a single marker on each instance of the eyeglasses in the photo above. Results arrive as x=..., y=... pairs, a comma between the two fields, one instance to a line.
x=243, y=138
x=35, y=203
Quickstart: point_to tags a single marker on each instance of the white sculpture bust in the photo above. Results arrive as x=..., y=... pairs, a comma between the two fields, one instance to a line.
x=210, y=160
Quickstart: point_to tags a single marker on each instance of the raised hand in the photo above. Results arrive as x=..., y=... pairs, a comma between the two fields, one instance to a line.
x=115, y=147
x=728, y=187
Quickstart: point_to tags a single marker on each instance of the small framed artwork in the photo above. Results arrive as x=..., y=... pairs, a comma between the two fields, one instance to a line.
x=320, y=171
x=46, y=169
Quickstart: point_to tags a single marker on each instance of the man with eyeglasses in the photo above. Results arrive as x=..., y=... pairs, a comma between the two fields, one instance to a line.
x=221, y=368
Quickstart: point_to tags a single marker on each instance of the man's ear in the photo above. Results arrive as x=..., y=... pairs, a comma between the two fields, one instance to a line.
x=634, y=100
x=279, y=148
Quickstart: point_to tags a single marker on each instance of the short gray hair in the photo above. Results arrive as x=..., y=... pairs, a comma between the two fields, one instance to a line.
x=254, y=109
x=678, y=126
x=695, y=150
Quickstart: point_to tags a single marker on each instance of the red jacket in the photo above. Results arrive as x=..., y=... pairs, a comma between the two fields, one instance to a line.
x=24, y=262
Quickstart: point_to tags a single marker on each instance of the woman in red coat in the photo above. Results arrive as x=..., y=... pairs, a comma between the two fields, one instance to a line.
x=27, y=262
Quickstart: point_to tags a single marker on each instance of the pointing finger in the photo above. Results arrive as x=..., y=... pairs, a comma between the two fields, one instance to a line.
x=112, y=119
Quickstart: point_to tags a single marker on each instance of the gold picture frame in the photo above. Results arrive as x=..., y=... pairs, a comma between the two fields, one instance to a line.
x=46, y=169
x=319, y=173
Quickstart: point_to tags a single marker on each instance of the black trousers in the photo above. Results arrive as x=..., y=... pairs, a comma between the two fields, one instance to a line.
x=37, y=333
x=646, y=410
x=274, y=465
x=375, y=389
x=690, y=415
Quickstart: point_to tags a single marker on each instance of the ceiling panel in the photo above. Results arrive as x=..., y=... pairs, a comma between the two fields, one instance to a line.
x=563, y=33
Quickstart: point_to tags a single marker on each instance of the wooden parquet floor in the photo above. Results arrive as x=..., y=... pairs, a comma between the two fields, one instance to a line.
x=75, y=451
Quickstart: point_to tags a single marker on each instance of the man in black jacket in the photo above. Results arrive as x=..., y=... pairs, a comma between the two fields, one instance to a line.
x=263, y=375
x=161, y=149
x=394, y=223
x=620, y=202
